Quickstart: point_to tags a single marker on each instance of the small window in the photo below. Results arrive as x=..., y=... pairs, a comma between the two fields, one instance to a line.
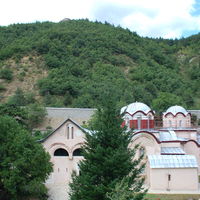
x=61, y=152
x=68, y=132
x=72, y=132
x=180, y=123
x=142, y=151
x=77, y=152
x=149, y=122
x=170, y=123
x=139, y=118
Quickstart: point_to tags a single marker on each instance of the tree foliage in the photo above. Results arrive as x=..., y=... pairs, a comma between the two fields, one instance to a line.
x=165, y=100
x=36, y=114
x=107, y=159
x=123, y=192
x=29, y=116
x=21, y=99
x=6, y=74
x=18, y=113
x=24, y=164
x=82, y=57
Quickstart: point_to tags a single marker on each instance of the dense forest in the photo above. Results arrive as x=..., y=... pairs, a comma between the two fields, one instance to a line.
x=72, y=63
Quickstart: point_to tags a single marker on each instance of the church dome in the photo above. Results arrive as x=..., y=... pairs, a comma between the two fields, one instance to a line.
x=176, y=109
x=135, y=107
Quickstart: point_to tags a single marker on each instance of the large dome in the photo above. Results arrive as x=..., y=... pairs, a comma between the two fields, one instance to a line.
x=176, y=109
x=135, y=107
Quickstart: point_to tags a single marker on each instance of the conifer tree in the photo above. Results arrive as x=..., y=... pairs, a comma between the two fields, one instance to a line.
x=107, y=159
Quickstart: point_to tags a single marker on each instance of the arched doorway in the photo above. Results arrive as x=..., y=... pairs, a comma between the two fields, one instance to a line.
x=61, y=166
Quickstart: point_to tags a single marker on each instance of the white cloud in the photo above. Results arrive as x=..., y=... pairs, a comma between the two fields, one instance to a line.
x=154, y=18
x=157, y=18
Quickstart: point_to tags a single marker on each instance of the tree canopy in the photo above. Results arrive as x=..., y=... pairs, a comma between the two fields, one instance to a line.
x=24, y=164
x=82, y=57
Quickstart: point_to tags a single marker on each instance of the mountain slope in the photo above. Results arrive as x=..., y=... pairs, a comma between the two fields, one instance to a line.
x=79, y=60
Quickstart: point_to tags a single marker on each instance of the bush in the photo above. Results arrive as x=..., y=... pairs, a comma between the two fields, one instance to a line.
x=2, y=88
x=6, y=74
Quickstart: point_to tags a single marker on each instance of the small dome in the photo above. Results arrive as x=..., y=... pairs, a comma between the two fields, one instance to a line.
x=176, y=109
x=135, y=107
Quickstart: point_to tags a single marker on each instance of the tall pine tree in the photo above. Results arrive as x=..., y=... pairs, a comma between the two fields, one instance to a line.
x=107, y=159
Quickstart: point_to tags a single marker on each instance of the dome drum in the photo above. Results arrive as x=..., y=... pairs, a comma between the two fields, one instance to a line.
x=176, y=117
x=138, y=116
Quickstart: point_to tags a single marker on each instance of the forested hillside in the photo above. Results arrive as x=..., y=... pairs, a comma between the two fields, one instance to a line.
x=72, y=63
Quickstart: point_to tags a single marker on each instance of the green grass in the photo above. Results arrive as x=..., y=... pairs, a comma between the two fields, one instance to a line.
x=172, y=196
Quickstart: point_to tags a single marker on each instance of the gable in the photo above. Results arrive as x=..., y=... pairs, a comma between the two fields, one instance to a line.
x=69, y=129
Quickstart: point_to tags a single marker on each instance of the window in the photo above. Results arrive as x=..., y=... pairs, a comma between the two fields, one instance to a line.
x=149, y=122
x=170, y=123
x=139, y=118
x=72, y=132
x=68, y=132
x=180, y=123
x=61, y=152
x=77, y=152
x=142, y=151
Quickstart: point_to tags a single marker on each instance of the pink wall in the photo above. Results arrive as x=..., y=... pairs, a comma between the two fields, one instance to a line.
x=178, y=120
x=159, y=179
x=64, y=165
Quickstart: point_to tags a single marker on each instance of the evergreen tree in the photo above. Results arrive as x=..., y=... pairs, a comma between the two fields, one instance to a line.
x=107, y=159
x=122, y=192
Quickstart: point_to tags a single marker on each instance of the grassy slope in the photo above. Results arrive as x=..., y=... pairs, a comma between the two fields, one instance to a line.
x=26, y=73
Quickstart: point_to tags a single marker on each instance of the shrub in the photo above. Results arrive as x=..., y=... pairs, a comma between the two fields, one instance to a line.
x=6, y=74
x=2, y=88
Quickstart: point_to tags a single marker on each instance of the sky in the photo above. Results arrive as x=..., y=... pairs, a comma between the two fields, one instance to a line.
x=151, y=18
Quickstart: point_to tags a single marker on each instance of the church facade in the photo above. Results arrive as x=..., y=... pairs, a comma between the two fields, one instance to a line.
x=172, y=152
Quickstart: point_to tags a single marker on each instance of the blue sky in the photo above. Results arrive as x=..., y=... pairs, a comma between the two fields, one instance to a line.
x=152, y=18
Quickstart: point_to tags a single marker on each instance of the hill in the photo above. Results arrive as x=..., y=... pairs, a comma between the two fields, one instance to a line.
x=73, y=62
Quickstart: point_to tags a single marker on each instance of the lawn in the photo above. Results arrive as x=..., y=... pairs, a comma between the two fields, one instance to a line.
x=172, y=197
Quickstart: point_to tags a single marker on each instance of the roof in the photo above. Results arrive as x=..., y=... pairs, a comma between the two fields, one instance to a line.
x=172, y=161
x=135, y=107
x=178, y=129
x=172, y=150
x=175, y=110
x=55, y=116
x=169, y=135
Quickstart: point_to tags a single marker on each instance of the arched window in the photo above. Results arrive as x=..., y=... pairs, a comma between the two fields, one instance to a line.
x=77, y=152
x=142, y=151
x=180, y=123
x=61, y=152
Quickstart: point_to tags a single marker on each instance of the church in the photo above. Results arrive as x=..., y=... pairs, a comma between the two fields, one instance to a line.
x=172, y=152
